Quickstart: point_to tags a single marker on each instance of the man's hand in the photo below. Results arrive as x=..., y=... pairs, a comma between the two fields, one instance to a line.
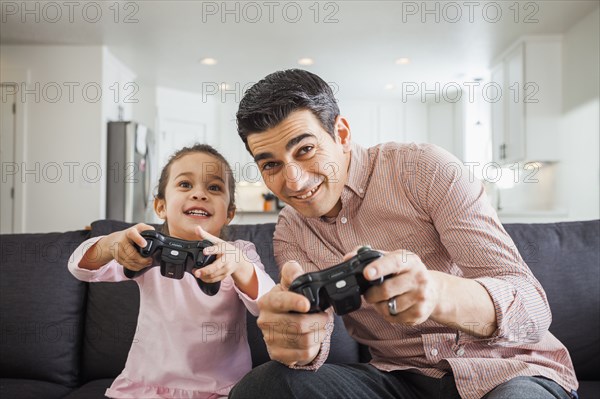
x=415, y=289
x=291, y=338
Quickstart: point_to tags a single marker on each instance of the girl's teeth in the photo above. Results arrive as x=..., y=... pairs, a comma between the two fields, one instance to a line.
x=200, y=213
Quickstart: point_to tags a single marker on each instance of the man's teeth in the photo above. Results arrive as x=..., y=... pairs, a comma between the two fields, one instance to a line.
x=309, y=194
x=197, y=212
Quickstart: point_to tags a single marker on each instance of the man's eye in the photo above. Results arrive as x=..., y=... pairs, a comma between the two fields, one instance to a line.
x=306, y=149
x=269, y=165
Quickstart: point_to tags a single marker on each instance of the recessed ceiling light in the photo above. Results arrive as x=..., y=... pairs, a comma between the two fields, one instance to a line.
x=402, y=61
x=306, y=61
x=388, y=86
x=208, y=61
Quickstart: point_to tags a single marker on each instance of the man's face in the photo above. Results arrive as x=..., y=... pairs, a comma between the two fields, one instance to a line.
x=302, y=164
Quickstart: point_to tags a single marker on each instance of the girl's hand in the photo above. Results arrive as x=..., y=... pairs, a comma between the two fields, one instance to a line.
x=120, y=247
x=230, y=261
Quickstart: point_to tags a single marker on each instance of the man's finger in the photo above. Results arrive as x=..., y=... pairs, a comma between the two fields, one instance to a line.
x=351, y=253
x=289, y=272
x=389, y=264
x=285, y=302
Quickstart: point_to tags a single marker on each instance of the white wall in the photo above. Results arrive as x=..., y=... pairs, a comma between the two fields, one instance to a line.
x=230, y=144
x=579, y=177
x=62, y=135
x=184, y=118
x=71, y=92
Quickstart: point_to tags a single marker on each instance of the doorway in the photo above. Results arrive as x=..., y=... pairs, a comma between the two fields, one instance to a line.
x=8, y=109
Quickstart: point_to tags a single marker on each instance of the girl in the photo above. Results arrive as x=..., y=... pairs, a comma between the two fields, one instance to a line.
x=187, y=344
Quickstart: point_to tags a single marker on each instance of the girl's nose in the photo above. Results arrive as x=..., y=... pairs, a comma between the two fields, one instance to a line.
x=199, y=195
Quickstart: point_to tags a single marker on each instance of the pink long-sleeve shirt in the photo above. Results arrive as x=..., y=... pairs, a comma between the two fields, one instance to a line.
x=422, y=199
x=187, y=344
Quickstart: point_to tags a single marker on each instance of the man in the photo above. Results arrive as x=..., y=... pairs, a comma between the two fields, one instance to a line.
x=461, y=315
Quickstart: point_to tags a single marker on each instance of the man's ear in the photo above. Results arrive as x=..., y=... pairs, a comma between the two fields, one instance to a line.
x=160, y=207
x=342, y=132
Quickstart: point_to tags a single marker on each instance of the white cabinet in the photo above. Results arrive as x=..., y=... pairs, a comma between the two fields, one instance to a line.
x=446, y=126
x=374, y=122
x=525, y=95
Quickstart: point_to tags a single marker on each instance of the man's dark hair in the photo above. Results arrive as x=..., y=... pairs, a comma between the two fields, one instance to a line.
x=273, y=98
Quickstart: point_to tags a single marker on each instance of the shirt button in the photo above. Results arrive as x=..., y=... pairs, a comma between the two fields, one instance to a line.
x=460, y=352
x=344, y=220
x=434, y=352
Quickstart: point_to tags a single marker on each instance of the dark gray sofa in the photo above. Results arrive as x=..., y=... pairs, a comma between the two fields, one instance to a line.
x=62, y=338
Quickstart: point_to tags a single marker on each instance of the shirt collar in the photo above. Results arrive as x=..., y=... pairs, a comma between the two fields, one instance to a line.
x=359, y=171
x=358, y=177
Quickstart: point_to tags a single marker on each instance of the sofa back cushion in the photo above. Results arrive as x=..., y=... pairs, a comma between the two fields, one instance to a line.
x=110, y=323
x=41, y=307
x=110, y=319
x=565, y=258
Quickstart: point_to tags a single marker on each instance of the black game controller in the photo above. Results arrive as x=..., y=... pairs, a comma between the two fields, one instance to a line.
x=340, y=285
x=175, y=257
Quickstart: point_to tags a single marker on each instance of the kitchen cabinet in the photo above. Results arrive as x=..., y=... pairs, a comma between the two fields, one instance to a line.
x=374, y=122
x=525, y=94
x=446, y=126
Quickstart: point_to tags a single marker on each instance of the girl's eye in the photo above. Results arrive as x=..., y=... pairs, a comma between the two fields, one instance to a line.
x=184, y=184
x=214, y=187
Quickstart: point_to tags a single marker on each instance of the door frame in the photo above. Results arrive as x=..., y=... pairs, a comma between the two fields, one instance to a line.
x=19, y=77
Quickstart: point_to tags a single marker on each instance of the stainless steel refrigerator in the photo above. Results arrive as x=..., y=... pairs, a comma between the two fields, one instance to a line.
x=131, y=165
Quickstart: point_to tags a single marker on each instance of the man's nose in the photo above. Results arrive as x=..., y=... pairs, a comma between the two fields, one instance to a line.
x=296, y=178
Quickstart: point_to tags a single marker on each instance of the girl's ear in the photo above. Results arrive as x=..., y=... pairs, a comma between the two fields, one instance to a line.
x=230, y=215
x=160, y=207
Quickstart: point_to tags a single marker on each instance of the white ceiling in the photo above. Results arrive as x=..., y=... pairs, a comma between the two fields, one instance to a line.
x=356, y=50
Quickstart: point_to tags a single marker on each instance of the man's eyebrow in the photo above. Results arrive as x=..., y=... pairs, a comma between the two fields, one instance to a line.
x=297, y=139
x=288, y=146
x=262, y=155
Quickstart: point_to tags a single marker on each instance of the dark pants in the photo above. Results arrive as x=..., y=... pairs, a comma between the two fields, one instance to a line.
x=347, y=381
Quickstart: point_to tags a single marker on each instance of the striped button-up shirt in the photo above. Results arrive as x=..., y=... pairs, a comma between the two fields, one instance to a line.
x=422, y=199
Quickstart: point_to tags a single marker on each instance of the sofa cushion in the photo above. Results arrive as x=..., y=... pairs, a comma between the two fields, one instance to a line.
x=106, y=226
x=565, y=258
x=41, y=308
x=110, y=323
x=92, y=390
x=18, y=388
x=589, y=389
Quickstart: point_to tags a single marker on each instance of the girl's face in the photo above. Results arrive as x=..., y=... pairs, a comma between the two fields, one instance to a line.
x=196, y=194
